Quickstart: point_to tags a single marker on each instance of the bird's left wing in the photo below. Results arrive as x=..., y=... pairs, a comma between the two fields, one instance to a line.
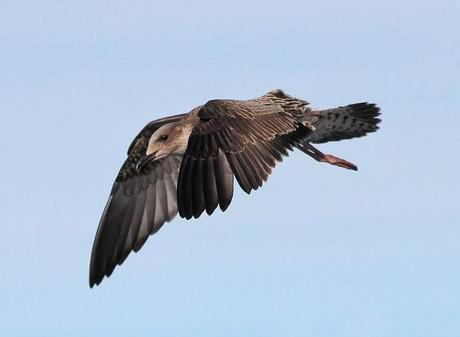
x=244, y=139
x=139, y=204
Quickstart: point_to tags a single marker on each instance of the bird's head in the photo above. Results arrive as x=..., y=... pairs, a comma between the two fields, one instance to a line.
x=169, y=139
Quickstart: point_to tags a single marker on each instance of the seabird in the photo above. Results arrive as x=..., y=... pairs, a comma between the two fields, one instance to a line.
x=186, y=163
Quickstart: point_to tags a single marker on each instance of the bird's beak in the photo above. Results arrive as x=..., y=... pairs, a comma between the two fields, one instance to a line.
x=147, y=159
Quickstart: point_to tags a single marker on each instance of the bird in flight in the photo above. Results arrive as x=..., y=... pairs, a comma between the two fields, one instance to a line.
x=186, y=163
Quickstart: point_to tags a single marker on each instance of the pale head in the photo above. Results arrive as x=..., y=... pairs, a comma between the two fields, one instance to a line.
x=169, y=139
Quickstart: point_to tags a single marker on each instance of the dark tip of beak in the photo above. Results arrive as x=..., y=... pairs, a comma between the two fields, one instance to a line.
x=150, y=158
x=143, y=162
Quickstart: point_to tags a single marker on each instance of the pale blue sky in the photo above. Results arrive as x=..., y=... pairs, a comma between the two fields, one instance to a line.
x=319, y=251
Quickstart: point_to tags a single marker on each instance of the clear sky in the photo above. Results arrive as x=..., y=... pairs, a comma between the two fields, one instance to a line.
x=318, y=251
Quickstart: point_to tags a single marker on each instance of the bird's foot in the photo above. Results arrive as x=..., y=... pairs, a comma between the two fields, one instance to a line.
x=333, y=160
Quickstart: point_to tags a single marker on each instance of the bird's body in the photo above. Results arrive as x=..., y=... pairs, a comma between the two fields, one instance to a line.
x=186, y=163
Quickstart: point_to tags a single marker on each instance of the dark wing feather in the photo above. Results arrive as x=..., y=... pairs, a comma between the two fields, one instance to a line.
x=244, y=139
x=138, y=205
x=132, y=214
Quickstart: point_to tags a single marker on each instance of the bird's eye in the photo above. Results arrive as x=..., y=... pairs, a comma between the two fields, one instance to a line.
x=164, y=137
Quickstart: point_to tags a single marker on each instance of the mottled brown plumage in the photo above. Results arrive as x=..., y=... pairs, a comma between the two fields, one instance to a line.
x=186, y=163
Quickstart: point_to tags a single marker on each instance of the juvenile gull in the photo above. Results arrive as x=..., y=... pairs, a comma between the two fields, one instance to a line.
x=186, y=163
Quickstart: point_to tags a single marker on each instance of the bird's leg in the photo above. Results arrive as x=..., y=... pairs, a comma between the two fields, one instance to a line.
x=326, y=158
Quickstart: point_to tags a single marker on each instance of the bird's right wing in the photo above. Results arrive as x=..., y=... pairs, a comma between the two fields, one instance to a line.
x=139, y=204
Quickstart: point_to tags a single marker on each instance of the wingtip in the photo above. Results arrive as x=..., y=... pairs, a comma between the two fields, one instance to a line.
x=94, y=282
x=91, y=283
x=96, y=278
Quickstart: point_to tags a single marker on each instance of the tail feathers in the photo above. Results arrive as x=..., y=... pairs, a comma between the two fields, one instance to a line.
x=344, y=122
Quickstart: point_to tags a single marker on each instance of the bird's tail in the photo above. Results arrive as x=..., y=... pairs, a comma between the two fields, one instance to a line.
x=343, y=122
